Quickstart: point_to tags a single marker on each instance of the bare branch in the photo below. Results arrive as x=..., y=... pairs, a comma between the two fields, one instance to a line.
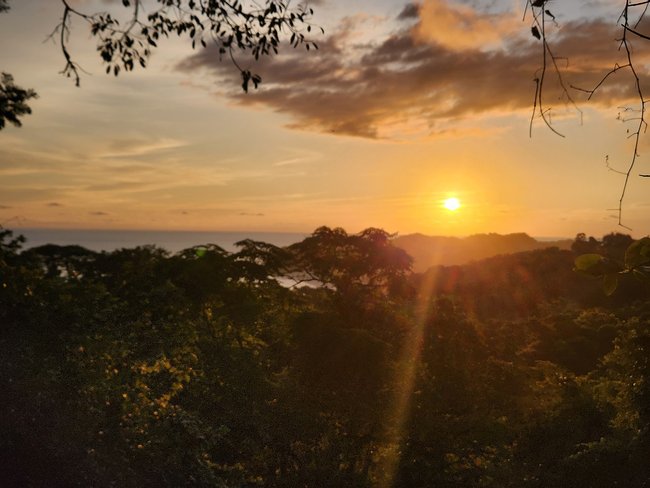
x=539, y=12
x=549, y=59
x=641, y=119
x=591, y=92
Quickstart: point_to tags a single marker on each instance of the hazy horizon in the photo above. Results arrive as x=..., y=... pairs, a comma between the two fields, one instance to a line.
x=19, y=229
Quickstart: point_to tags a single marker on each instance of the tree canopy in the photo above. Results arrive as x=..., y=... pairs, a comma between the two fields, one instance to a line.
x=13, y=101
x=233, y=27
x=138, y=367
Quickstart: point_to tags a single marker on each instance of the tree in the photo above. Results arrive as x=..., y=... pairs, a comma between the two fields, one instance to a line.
x=13, y=99
x=230, y=26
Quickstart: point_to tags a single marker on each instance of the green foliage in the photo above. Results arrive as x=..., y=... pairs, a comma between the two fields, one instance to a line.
x=139, y=368
x=620, y=256
x=638, y=254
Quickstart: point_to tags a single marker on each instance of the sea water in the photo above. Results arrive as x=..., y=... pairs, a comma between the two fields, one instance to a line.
x=172, y=241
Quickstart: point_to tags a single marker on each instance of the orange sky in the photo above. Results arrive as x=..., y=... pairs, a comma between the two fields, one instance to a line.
x=400, y=108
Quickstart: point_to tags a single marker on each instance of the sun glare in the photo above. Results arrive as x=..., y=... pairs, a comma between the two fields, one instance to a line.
x=451, y=204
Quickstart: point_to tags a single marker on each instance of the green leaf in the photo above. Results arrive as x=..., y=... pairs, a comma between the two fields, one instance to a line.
x=610, y=283
x=596, y=265
x=587, y=262
x=638, y=254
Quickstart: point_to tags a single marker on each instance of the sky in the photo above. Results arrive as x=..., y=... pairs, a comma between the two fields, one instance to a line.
x=402, y=106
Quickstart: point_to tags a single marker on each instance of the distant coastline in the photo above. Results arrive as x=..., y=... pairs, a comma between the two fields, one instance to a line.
x=172, y=241
x=426, y=250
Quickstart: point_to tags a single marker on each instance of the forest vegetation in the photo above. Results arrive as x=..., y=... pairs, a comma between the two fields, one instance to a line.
x=325, y=363
x=343, y=360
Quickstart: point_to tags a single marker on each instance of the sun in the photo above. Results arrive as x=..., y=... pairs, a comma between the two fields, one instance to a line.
x=452, y=204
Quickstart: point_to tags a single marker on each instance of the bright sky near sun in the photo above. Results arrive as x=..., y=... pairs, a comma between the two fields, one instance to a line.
x=400, y=109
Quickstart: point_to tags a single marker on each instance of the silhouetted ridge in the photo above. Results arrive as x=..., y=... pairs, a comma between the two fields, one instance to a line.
x=430, y=251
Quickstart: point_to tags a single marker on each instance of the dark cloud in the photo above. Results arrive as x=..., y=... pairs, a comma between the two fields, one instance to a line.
x=363, y=91
x=5, y=207
x=98, y=214
x=54, y=204
x=247, y=214
x=410, y=11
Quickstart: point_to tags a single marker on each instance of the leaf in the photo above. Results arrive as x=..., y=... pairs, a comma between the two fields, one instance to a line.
x=535, y=32
x=596, y=265
x=246, y=76
x=638, y=254
x=610, y=283
x=587, y=262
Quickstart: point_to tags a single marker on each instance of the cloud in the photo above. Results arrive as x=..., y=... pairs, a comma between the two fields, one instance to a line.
x=248, y=214
x=411, y=11
x=290, y=162
x=118, y=185
x=423, y=76
x=54, y=204
x=98, y=214
x=136, y=146
x=460, y=27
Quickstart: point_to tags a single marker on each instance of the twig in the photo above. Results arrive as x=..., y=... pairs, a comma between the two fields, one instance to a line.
x=548, y=58
x=642, y=123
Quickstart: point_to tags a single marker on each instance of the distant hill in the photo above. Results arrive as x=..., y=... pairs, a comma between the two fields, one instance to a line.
x=430, y=251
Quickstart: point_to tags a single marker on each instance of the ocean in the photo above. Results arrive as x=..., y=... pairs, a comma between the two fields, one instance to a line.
x=172, y=241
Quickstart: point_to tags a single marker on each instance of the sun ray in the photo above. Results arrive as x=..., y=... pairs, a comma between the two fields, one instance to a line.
x=405, y=379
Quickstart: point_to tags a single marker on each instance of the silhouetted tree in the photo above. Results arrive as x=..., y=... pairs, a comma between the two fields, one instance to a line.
x=232, y=27
x=582, y=245
x=13, y=99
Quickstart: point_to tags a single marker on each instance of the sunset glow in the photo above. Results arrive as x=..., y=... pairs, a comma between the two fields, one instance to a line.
x=178, y=145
